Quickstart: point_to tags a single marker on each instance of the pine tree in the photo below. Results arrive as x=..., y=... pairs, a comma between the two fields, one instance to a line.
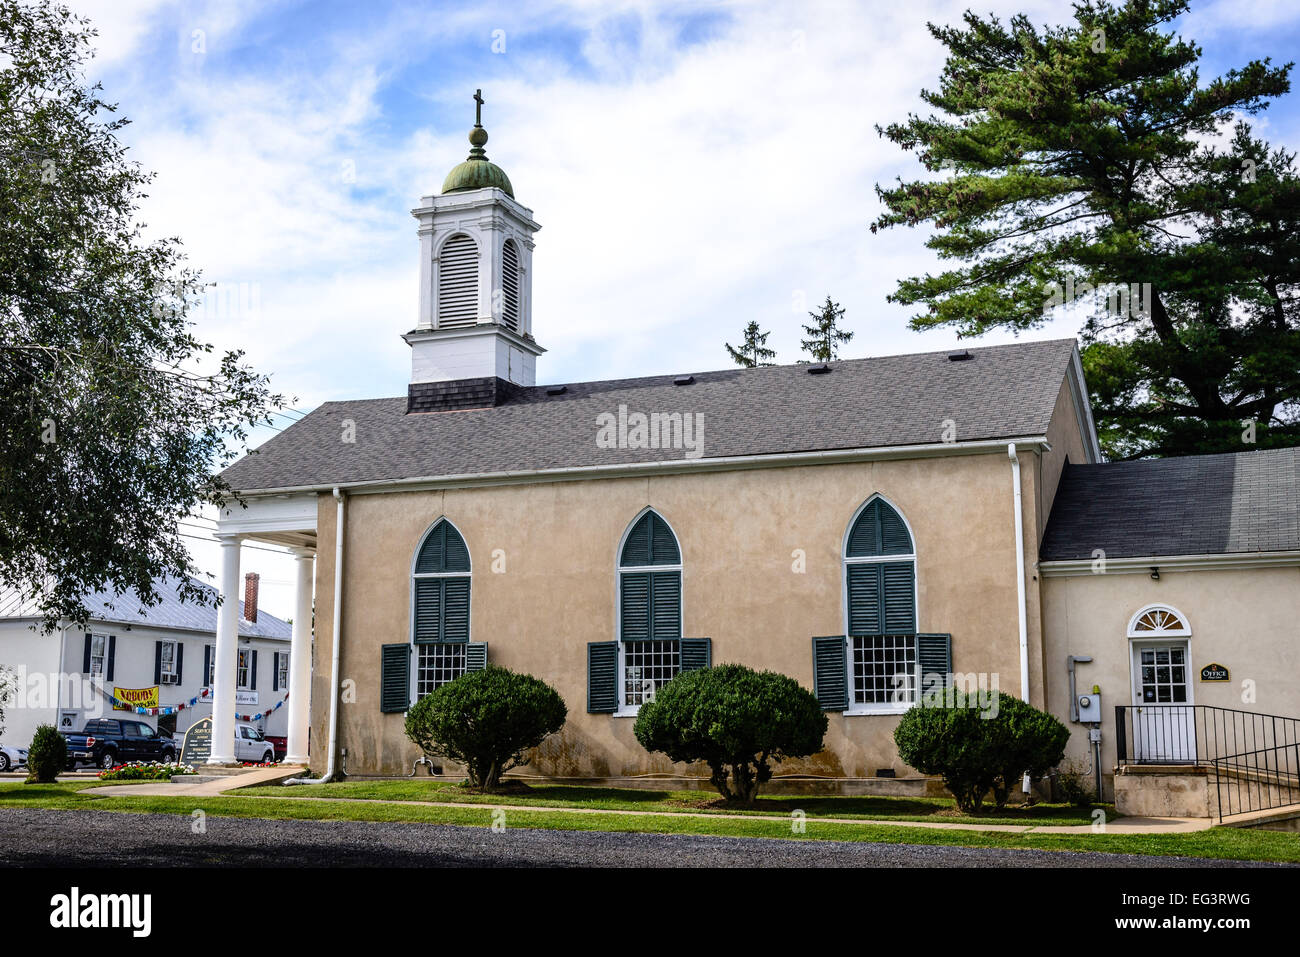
x=752, y=351
x=1089, y=164
x=825, y=335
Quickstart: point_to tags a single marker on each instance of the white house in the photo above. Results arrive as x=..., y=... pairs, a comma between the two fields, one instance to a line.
x=128, y=657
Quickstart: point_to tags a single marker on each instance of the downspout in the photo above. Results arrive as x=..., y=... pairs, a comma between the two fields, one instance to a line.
x=338, y=644
x=1021, y=611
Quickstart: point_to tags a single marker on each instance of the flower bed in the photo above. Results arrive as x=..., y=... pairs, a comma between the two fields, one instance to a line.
x=145, y=771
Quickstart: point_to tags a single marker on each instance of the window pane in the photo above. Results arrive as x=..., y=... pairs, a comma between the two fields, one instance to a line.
x=647, y=666
x=437, y=665
x=884, y=669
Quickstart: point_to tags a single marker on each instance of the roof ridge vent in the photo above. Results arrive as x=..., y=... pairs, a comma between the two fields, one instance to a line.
x=556, y=389
x=684, y=380
x=962, y=356
x=820, y=369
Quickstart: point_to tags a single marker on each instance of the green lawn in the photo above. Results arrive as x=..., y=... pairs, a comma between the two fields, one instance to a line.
x=1226, y=843
x=703, y=802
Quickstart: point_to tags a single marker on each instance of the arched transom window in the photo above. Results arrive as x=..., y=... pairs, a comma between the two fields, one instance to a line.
x=880, y=609
x=440, y=617
x=1156, y=621
x=650, y=609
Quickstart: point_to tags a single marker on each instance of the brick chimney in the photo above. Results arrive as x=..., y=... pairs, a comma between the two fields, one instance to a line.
x=250, y=596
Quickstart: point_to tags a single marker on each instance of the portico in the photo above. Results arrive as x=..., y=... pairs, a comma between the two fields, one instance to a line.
x=288, y=521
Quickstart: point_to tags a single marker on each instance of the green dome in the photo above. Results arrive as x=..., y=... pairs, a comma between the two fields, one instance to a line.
x=477, y=173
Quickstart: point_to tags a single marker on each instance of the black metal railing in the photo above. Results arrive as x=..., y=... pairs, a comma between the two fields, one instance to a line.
x=1255, y=757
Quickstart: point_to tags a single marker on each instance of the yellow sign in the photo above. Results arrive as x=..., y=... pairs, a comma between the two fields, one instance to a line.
x=128, y=699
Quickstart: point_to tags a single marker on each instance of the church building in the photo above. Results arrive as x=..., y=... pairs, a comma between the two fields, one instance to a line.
x=857, y=525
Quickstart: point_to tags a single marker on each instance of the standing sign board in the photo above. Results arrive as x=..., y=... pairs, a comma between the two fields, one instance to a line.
x=198, y=743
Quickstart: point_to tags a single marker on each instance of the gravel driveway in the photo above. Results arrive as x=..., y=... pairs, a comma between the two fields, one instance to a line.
x=34, y=837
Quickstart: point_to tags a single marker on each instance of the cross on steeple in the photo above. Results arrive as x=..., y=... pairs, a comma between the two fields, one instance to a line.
x=478, y=107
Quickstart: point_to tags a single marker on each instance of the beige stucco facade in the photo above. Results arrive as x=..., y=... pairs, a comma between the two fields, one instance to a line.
x=1245, y=618
x=741, y=532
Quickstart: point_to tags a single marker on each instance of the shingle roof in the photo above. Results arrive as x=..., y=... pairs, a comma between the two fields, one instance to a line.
x=170, y=612
x=1002, y=392
x=1197, y=505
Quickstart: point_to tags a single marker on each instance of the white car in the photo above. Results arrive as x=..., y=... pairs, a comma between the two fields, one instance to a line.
x=250, y=745
x=11, y=758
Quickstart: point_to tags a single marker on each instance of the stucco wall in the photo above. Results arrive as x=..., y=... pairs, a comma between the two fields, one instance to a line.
x=1246, y=619
x=737, y=531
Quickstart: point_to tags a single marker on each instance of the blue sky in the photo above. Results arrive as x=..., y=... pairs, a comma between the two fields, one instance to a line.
x=693, y=166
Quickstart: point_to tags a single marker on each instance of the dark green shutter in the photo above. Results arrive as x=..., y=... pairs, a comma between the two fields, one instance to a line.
x=934, y=654
x=85, y=660
x=696, y=653
x=179, y=663
x=666, y=604
x=252, y=673
x=602, y=677
x=865, y=605
x=898, y=584
x=443, y=550
x=207, y=666
x=476, y=656
x=650, y=542
x=112, y=656
x=634, y=618
x=394, y=678
x=455, y=610
x=879, y=530
x=428, y=609
x=157, y=662
x=829, y=684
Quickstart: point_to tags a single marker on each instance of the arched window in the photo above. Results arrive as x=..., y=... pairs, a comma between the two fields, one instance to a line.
x=1159, y=621
x=458, y=283
x=883, y=670
x=510, y=286
x=440, y=583
x=650, y=609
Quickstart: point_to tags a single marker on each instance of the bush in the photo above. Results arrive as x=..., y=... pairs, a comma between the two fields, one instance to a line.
x=1074, y=785
x=486, y=720
x=47, y=756
x=736, y=720
x=979, y=745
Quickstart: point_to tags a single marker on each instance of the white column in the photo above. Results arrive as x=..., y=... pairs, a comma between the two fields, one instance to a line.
x=300, y=659
x=223, y=669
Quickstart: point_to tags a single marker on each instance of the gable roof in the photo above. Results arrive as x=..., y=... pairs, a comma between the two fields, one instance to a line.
x=170, y=612
x=1239, y=502
x=1001, y=392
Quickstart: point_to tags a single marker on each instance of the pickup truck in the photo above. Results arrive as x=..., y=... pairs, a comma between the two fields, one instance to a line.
x=108, y=742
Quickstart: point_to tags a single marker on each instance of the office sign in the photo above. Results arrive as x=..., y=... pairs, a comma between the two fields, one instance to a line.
x=1214, y=672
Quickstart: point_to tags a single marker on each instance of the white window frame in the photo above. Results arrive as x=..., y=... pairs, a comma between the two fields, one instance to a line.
x=167, y=670
x=414, y=679
x=437, y=648
x=282, y=670
x=632, y=710
x=896, y=707
x=247, y=669
x=102, y=657
x=211, y=655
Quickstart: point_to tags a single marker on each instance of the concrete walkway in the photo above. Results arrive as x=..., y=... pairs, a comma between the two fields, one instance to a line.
x=265, y=776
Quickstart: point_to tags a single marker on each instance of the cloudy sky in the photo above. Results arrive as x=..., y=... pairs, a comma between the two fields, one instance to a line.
x=694, y=166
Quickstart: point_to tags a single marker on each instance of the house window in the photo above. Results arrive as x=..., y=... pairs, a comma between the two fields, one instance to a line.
x=98, y=654
x=244, y=670
x=440, y=593
x=880, y=610
x=167, y=663
x=650, y=609
x=281, y=670
x=209, y=656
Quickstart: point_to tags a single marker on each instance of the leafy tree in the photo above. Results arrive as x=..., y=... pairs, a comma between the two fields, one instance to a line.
x=825, y=335
x=486, y=720
x=1090, y=157
x=735, y=719
x=979, y=744
x=752, y=351
x=46, y=756
x=109, y=430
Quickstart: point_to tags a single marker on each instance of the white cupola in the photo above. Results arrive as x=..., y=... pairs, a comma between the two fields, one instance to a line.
x=476, y=254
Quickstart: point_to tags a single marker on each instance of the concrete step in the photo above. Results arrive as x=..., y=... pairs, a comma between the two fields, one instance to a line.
x=1274, y=819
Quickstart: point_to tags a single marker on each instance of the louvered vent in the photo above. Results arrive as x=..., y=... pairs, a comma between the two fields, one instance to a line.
x=457, y=283
x=510, y=287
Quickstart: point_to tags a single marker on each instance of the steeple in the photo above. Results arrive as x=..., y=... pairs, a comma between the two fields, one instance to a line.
x=473, y=340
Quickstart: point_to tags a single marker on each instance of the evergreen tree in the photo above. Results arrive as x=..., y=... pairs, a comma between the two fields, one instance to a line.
x=752, y=351
x=824, y=334
x=1088, y=164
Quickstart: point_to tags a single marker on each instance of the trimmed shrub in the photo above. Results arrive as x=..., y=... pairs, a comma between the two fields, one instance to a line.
x=735, y=719
x=979, y=745
x=47, y=756
x=486, y=720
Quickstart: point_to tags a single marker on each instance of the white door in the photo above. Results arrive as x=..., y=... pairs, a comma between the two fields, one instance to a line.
x=1164, y=719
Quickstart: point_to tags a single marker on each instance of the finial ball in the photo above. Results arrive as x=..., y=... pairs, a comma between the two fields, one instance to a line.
x=478, y=137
